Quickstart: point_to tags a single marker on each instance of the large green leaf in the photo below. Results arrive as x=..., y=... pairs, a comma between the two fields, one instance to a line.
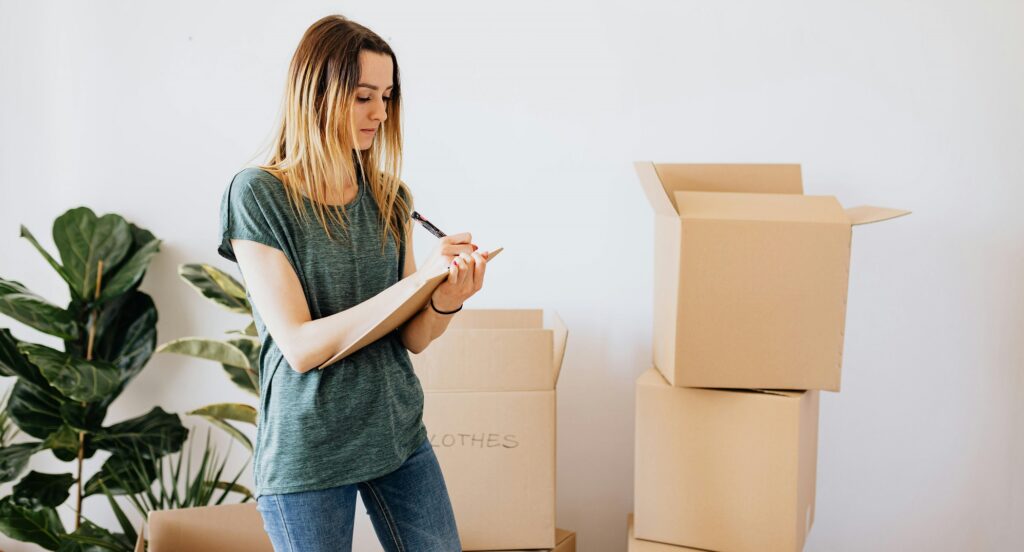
x=24, y=306
x=76, y=378
x=131, y=272
x=63, y=443
x=217, y=286
x=209, y=349
x=56, y=421
x=219, y=414
x=126, y=334
x=43, y=489
x=123, y=473
x=228, y=411
x=40, y=525
x=14, y=458
x=13, y=363
x=90, y=537
x=35, y=412
x=246, y=378
x=156, y=431
x=46, y=255
x=83, y=240
x=87, y=417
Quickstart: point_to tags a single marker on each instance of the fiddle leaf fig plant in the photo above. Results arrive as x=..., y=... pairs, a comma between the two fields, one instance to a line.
x=60, y=397
x=238, y=356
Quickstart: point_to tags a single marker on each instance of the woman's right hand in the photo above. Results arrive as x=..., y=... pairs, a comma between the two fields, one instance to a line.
x=446, y=251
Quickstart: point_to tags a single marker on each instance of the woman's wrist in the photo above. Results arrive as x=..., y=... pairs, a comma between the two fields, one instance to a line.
x=443, y=311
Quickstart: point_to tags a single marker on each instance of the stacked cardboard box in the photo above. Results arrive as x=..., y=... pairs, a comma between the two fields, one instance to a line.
x=489, y=385
x=750, y=305
x=232, y=527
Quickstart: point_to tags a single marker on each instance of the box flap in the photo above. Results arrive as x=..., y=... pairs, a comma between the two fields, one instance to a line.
x=561, y=336
x=730, y=178
x=498, y=319
x=653, y=188
x=495, y=350
x=760, y=207
x=770, y=178
x=866, y=214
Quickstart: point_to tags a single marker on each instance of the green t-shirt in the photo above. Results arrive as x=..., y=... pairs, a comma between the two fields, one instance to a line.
x=360, y=417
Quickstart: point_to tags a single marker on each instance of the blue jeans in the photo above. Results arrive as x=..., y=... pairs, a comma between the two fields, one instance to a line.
x=409, y=508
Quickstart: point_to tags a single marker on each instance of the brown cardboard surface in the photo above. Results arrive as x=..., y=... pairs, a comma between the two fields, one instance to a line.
x=413, y=303
x=639, y=545
x=224, y=528
x=497, y=453
x=495, y=350
x=565, y=541
x=724, y=469
x=750, y=276
x=489, y=408
x=236, y=527
x=866, y=214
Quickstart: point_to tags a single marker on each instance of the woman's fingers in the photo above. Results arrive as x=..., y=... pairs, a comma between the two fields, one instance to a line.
x=466, y=267
x=453, y=273
x=478, y=275
x=456, y=249
x=455, y=239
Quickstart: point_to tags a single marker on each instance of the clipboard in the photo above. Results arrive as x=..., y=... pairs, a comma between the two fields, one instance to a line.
x=412, y=304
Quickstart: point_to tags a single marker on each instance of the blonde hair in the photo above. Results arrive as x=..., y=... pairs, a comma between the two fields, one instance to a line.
x=312, y=154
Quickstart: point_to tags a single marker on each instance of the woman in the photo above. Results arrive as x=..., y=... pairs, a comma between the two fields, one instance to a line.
x=325, y=432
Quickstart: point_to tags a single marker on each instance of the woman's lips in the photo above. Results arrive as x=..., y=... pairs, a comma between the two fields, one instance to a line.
x=368, y=130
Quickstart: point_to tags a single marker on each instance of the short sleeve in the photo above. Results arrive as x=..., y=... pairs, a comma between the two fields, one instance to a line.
x=244, y=216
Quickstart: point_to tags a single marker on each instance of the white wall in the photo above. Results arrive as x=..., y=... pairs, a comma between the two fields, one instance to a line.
x=522, y=122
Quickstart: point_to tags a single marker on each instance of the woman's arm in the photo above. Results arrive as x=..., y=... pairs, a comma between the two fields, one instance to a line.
x=463, y=281
x=277, y=295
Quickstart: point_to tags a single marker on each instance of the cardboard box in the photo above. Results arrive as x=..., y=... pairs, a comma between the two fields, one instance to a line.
x=750, y=276
x=223, y=528
x=234, y=527
x=565, y=541
x=489, y=386
x=724, y=469
x=634, y=544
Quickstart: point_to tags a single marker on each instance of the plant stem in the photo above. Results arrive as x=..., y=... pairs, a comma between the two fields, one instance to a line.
x=81, y=434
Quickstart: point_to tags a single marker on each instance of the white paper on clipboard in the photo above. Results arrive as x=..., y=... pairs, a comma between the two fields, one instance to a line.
x=413, y=304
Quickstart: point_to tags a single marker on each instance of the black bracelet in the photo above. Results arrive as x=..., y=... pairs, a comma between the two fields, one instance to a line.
x=439, y=311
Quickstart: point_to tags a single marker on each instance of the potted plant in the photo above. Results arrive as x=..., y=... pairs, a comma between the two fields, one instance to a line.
x=60, y=398
x=238, y=356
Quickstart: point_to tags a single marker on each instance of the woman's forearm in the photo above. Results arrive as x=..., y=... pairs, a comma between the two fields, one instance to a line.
x=423, y=328
x=319, y=340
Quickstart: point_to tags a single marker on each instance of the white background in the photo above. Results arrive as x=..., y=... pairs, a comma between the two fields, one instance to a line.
x=522, y=120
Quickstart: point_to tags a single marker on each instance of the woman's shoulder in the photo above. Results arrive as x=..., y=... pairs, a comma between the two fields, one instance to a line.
x=256, y=177
x=255, y=184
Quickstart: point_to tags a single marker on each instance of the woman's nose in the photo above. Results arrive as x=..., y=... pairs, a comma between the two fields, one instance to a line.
x=380, y=111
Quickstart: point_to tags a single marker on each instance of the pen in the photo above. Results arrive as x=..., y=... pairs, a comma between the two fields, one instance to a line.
x=426, y=224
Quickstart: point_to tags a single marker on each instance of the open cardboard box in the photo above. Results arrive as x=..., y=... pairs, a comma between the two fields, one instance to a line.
x=750, y=276
x=489, y=385
x=232, y=528
x=724, y=469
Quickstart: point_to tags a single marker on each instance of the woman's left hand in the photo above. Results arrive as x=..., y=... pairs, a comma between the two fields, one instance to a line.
x=465, y=278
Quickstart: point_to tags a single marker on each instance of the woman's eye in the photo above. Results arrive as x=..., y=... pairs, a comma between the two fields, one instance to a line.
x=386, y=98
x=363, y=99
